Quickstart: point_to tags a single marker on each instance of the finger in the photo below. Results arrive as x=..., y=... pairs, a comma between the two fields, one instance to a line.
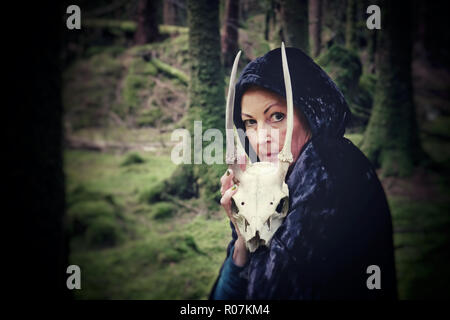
x=242, y=161
x=225, y=201
x=224, y=176
x=226, y=181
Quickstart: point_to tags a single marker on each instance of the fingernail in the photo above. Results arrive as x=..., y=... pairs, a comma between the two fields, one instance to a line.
x=234, y=187
x=228, y=172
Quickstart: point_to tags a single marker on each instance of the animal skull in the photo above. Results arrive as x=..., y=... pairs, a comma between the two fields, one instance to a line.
x=262, y=200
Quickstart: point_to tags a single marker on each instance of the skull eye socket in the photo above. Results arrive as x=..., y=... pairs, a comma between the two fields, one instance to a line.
x=282, y=206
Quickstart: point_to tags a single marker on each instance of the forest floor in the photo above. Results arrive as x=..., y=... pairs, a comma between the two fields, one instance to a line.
x=173, y=251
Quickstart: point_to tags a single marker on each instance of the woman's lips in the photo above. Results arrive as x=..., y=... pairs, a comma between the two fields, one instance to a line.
x=271, y=155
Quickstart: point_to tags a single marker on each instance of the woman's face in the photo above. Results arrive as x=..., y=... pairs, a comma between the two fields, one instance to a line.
x=264, y=116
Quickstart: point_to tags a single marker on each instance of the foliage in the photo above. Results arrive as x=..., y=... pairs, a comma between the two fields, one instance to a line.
x=103, y=232
x=422, y=246
x=163, y=210
x=95, y=218
x=89, y=88
x=133, y=158
x=344, y=67
x=153, y=194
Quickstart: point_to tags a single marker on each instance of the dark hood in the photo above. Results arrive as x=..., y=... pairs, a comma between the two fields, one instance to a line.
x=314, y=92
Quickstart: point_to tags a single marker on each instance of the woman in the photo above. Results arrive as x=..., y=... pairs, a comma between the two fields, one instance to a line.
x=338, y=226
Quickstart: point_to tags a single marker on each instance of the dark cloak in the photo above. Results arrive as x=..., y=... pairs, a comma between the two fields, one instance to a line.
x=339, y=221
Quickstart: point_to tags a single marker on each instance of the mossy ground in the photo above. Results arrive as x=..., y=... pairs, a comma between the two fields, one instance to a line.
x=162, y=250
x=166, y=251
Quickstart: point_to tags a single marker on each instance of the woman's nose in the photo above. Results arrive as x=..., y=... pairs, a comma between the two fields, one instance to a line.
x=263, y=135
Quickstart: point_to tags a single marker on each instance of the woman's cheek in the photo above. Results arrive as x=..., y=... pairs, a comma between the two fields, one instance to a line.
x=252, y=139
x=281, y=137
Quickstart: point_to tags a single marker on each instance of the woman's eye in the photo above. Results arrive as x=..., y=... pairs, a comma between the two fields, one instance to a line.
x=277, y=116
x=249, y=122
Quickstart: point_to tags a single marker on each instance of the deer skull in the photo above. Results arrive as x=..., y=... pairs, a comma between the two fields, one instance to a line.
x=262, y=200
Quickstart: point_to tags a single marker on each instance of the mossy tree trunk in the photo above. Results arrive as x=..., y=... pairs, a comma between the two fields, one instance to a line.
x=206, y=88
x=315, y=26
x=230, y=36
x=372, y=48
x=391, y=139
x=295, y=23
x=147, y=22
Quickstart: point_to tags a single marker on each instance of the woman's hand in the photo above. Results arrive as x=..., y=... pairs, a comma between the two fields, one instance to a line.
x=228, y=189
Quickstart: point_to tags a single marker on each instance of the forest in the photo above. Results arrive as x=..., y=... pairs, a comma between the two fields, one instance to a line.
x=93, y=174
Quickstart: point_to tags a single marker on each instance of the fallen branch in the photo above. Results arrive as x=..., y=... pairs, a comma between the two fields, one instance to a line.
x=171, y=71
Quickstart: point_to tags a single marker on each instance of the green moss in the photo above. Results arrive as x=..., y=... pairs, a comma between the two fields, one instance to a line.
x=343, y=66
x=179, y=247
x=82, y=214
x=133, y=158
x=356, y=138
x=421, y=239
x=182, y=182
x=172, y=30
x=103, y=232
x=153, y=194
x=163, y=210
x=206, y=90
x=113, y=50
x=151, y=117
x=142, y=67
x=171, y=71
x=209, y=182
x=130, y=94
x=114, y=25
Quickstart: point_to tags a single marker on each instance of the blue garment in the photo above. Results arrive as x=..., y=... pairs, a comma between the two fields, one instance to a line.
x=338, y=223
x=231, y=285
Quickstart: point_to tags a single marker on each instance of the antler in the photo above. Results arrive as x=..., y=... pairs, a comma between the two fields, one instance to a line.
x=286, y=155
x=229, y=132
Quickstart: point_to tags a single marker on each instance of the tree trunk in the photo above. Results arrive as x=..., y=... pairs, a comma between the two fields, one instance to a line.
x=206, y=91
x=295, y=23
x=147, y=23
x=350, y=28
x=333, y=18
x=169, y=12
x=230, y=35
x=206, y=94
x=372, y=49
x=391, y=139
x=174, y=12
x=315, y=26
